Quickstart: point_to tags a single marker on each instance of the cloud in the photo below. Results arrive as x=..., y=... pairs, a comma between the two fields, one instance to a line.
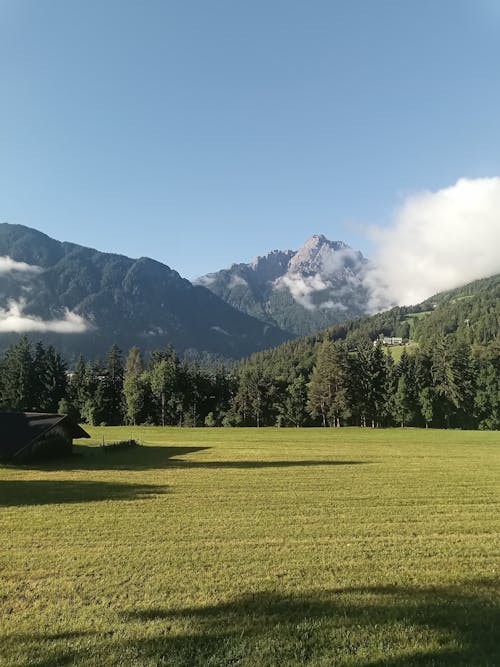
x=14, y=320
x=236, y=280
x=205, y=281
x=437, y=241
x=333, y=275
x=302, y=287
x=334, y=261
x=332, y=305
x=9, y=265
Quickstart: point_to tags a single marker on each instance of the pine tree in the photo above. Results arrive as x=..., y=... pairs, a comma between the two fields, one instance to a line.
x=328, y=385
x=54, y=380
x=451, y=373
x=77, y=395
x=18, y=391
x=296, y=402
x=134, y=386
x=403, y=402
x=111, y=387
x=160, y=381
x=377, y=398
x=487, y=394
x=426, y=402
x=253, y=398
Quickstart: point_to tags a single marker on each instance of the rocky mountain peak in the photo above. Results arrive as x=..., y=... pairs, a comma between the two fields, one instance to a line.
x=316, y=254
x=320, y=284
x=273, y=265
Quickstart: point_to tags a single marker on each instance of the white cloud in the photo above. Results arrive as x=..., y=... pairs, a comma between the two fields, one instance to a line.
x=333, y=275
x=13, y=319
x=236, y=280
x=9, y=265
x=438, y=241
x=332, y=305
x=339, y=260
x=205, y=280
x=303, y=287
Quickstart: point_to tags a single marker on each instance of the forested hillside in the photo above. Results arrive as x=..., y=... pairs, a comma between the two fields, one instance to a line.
x=471, y=312
x=342, y=376
x=81, y=300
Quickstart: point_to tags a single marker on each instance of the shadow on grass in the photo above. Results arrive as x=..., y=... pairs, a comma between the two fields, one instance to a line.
x=391, y=626
x=86, y=457
x=154, y=457
x=406, y=627
x=246, y=465
x=51, y=492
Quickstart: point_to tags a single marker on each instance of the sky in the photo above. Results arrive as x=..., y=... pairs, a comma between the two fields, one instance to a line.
x=202, y=133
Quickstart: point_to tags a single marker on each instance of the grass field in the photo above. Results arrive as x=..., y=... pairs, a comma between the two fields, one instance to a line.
x=255, y=547
x=397, y=350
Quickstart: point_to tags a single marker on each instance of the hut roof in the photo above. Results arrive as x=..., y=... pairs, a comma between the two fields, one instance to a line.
x=19, y=429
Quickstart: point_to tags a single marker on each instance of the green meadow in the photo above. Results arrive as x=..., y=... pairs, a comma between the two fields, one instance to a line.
x=257, y=547
x=397, y=350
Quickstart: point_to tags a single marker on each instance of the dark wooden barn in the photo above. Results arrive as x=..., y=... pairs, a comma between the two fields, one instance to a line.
x=35, y=435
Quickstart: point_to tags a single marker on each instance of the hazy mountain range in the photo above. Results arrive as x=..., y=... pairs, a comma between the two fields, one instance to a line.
x=83, y=300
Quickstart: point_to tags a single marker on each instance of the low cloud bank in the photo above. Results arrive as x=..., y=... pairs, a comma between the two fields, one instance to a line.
x=13, y=319
x=9, y=265
x=438, y=241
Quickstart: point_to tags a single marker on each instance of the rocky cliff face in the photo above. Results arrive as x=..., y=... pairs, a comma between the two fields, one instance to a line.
x=300, y=291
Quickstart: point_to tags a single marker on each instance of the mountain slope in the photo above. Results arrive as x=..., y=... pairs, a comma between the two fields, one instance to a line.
x=82, y=300
x=299, y=291
x=471, y=312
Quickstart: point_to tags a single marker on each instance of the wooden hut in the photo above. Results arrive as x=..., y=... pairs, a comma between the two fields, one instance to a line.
x=35, y=435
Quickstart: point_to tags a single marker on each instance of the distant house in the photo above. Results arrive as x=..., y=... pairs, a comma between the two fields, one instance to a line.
x=26, y=435
x=388, y=340
x=392, y=340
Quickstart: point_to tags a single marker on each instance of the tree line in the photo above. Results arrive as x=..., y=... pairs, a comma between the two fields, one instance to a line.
x=315, y=382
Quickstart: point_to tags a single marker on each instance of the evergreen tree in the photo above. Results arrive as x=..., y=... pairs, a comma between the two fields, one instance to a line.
x=53, y=380
x=403, y=402
x=426, y=402
x=111, y=387
x=451, y=373
x=377, y=385
x=487, y=396
x=18, y=377
x=253, y=398
x=39, y=382
x=77, y=396
x=134, y=386
x=161, y=382
x=292, y=406
x=94, y=408
x=328, y=386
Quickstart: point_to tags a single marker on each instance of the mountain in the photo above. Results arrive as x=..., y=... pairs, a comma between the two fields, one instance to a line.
x=470, y=313
x=299, y=291
x=82, y=300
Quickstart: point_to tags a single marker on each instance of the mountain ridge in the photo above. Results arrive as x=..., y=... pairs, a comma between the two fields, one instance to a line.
x=300, y=291
x=50, y=286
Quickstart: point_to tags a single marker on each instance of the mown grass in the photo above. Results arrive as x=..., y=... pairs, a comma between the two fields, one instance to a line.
x=255, y=547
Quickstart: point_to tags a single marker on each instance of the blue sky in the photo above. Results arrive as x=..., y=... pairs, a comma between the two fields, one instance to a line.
x=202, y=133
